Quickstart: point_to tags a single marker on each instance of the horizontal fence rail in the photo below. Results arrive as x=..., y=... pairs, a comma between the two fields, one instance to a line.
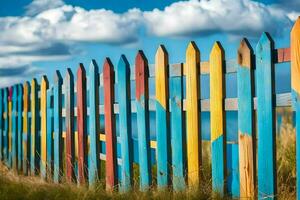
x=64, y=130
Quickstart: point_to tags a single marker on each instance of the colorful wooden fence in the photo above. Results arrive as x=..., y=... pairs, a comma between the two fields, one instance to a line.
x=57, y=130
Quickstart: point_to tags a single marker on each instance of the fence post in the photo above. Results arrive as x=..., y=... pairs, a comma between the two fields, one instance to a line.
x=5, y=133
x=245, y=119
x=162, y=120
x=49, y=133
x=265, y=118
x=142, y=106
x=295, y=77
x=57, y=118
x=94, y=154
x=218, y=137
x=81, y=124
x=19, y=129
x=192, y=68
x=10, y=91
x=178, y=144
x=124, y=100
x=43, y=110
x=34, y=127
x=26, y=125
x=111, y=140
x=14, y=135
x=69, y=106
x=1, y=125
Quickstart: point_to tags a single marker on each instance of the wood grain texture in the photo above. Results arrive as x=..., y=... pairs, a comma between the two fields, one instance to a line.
x=94, y=123
x=34, y=160
x=217, y=118
x=19, y=126
x=110, y=127
x=123, y=74
x=192, y=115
x=295, y=90
x=43, y=110
x=162, y=119
x=265, y=118
x=14, y=133
x=70, y=142
x=178, y=141
x=142, y=104
x=26, y=125
x=57, y=127
x=245, y=119
x=81, y=124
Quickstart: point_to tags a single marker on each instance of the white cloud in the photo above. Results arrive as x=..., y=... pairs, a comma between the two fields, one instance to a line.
x=38, y=6
x=234, y=17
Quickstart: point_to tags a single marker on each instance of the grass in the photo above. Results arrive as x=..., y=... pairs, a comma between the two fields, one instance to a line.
x=14, y=186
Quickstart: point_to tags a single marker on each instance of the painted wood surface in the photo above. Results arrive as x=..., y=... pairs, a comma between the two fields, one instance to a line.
x=110, y=129
x=14, y=131
x=26, y=125
x=142, y=104
x=295, y=90
x=70, y=142
x=5, y=132
x=43, y=114
x=245, y=119
x=123, y=81
x=19, y=126
x=94, y=123
x=192, y=114
x=217, y=118
x=57, y=126
x=34, y=128
x=10, y=91
x=49, y=134
x=1, y=125
x=81, y=124
x=265, y=118
x=162, y=118
x=177, y=133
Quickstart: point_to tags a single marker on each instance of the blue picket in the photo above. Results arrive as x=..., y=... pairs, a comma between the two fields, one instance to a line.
x=49, y=132
x=1, y=124
x=14, y=133
x=20, y=125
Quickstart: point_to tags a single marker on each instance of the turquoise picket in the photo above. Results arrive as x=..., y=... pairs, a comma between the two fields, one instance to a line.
x=265, y=118
x=14, y=133
x=49, y=132
x=57, y=126
x=94, y=152
x=5, y=132
x=20, y=126
x=1, y=124
x=26, y=128
x=142, y=106
x=177, y=134
x=123, y=81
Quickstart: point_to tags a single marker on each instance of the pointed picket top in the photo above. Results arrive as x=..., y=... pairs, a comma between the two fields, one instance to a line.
x=69, y=74
x=10, y=90
x=57, y=77
x=192, y=51
x=123, y=62
x=141, y=73
x=161, y=56
x=217, y=50
x=14, y=92
x=265, y=41
x=296, y=28
x=244, y=53
x=93, y=67
x=107, y=66
x=295, y=52
x=45, y=82
x=34, y=83
x=81, y=70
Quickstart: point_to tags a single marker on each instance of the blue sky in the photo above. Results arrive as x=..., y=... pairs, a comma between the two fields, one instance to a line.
x=38, y=37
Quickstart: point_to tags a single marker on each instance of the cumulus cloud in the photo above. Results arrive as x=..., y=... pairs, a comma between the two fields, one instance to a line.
x=38, y=6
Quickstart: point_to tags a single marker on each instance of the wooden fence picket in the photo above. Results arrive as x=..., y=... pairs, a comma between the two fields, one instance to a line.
x=26, y=125
x=14, y=133
x=142, y=106
x=5, y=132
x=19, y=126
x=217, y=122
x=1, y=125
x=110, y=129
x=162, y=118
x=123, y=80
x=192, y=67
x=81, y=124
x=57, y=118
x=10, y=91
x=265, y=118
x=245, y=119
x=49, y=133
x=43, y=109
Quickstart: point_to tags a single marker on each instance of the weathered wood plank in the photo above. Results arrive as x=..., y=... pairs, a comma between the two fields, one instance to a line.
x=57, y=119
x=245, y=119
x=1, y=124
x=192, y=115
x=162, y=118
x=50, y=150
x=5, y=133
x=142, y=106
x=26, y=125
x=70, y=142
x=265, y=118
x=295, y=84
x=9, y=164
x=19, y=126
x=43, y=137
x=14, y=133
x=217, y=118
x=178, y=141
x=81, y=124
x=94, y=123
x=123, y=80
x=110, y=129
